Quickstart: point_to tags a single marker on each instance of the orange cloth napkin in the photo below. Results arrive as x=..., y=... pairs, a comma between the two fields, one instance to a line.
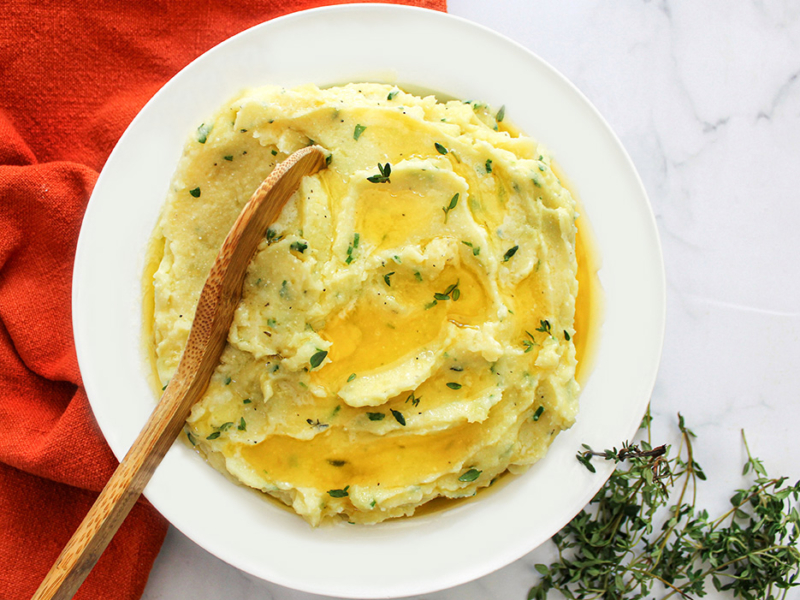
x=74, y=74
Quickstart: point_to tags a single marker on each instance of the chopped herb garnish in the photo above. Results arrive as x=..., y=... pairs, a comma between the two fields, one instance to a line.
x=271, y=235
x=246, y=401
x=509, y=253
x=352, y=247
x=418, y=275
x=336, y=462
x=225, y=426
x=317, y=358
x=358, y=131
x=227, y=380
x=352, y=376
x=299, y=246
x=413, y=399
x=203, y=131
x=383, y=177
x=213, y=436
x=431, y=304
x=375, y=416
x=488, y=165
x=476, y=250
x=501, y=114
x=373, y=503
x=387, y=279
x=192, y=439
x=165, y=386
x=529, y=344
x=566, y=335
x=453, y=385
x=452, y=291
x=451, y=206
x=392, y=94
x=228, y=157
x=398, y=416
x=538, y=413
x=242, y=425
x=339, y=493
x=195, y=192
x=274, y=153
x=328, y=159
x=544, y=326
x=439, y=148
x=470, y=475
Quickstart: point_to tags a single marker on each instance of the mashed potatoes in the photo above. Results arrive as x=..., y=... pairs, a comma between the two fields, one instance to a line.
x=405, y=327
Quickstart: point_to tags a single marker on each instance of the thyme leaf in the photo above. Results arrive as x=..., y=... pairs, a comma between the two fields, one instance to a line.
x=343, y=493
x=509, y=253
x=398, y=416
x=470, y=475
x=317, y=358
x=453, y=203
x=203, y=131
x=383, y=177
x=298, y=246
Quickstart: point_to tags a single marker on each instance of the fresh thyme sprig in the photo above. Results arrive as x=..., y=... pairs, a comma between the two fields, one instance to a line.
x=613, y=550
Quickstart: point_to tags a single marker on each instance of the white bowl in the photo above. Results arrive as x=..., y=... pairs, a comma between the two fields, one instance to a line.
x=430, y=50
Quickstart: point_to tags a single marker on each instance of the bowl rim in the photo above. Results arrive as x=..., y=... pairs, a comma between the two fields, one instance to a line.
x=95, y=386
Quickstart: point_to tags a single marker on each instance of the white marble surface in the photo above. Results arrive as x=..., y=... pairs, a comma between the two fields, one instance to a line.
x=705, y=96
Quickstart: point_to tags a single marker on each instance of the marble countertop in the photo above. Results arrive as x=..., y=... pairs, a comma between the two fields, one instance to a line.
x=705, y=96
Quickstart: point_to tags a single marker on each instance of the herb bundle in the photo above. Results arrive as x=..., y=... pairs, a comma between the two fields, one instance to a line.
x=613, y=549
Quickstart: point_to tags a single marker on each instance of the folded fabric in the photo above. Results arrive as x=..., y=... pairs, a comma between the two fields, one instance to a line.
x=74, y=76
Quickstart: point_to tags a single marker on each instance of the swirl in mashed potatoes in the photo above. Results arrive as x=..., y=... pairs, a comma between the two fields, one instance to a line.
x=405, y=327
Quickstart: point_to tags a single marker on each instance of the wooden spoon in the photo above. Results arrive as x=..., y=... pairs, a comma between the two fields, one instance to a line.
x=212, y=320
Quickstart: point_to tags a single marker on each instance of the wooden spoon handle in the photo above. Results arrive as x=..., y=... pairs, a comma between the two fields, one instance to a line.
x=218, y=299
